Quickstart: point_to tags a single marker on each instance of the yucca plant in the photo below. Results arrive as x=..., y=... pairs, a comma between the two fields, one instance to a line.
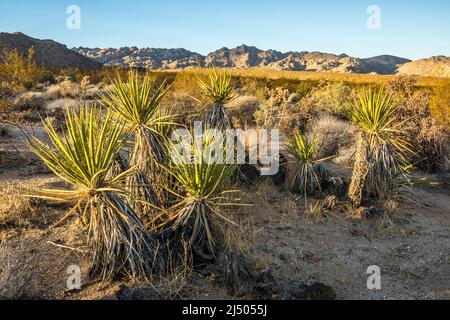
x=83, y=157
x=381, y=149
x=310, y=174
x=202, y=181
x=221, y=89
x=137, y=102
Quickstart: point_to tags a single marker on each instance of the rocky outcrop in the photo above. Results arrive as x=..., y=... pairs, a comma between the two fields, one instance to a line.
x=243, y=57
x=46, y=52
x=438, y=66
x=147, y=58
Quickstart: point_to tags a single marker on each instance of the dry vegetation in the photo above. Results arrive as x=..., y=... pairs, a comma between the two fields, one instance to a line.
x=167, y=229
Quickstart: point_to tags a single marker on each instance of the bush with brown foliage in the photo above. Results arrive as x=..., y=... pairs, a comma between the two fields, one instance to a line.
x=424, y=132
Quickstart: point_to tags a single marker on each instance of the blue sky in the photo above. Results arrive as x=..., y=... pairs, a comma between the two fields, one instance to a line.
x=412, y=29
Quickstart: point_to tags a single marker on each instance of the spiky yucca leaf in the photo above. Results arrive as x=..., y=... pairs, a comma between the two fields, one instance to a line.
x=310, y=174
x=138, y=102
x=375, y=115
x=83, y=157
x=221, y=87
x=221, y=90
x=202, y=180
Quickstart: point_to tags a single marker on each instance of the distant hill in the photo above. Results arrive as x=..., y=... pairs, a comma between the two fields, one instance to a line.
x=438, y=66
x=47, y=52
x=383, y=64
x=242, y=57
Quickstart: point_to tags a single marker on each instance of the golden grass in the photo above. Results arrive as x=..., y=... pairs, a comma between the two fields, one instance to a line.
x=270, y=74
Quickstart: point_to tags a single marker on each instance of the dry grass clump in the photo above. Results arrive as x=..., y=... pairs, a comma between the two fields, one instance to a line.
x=334, y=134
x=440, y=104
x=15, y=207
x=65, y=88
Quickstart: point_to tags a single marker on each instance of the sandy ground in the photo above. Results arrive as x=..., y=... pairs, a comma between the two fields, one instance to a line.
x=411, y=246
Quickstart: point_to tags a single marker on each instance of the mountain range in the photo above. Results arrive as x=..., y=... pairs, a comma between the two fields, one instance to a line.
x=242, y=57
x=54, y=54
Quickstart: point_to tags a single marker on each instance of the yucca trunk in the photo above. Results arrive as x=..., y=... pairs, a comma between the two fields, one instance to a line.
x=309, y=179
x=148, y=154
x=120, y=242
x=219, y=118
x=357, y=187
x=196, y=227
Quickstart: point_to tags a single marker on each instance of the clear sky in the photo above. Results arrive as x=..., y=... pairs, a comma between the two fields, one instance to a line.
x=409, y=28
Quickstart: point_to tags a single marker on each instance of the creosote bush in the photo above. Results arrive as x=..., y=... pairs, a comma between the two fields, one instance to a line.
x=21, y=72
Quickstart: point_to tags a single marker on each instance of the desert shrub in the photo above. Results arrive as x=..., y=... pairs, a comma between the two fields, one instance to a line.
x=6, y=91
x=19, y=71
x=381, y=157
x=83, y=157
x=433, y=151
x=424, y=132
x=333, y=134
x=63, y=104
x=275, y=111
x=334, y=97
x=440, y=104
x=401, y=86
x=242, y=110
